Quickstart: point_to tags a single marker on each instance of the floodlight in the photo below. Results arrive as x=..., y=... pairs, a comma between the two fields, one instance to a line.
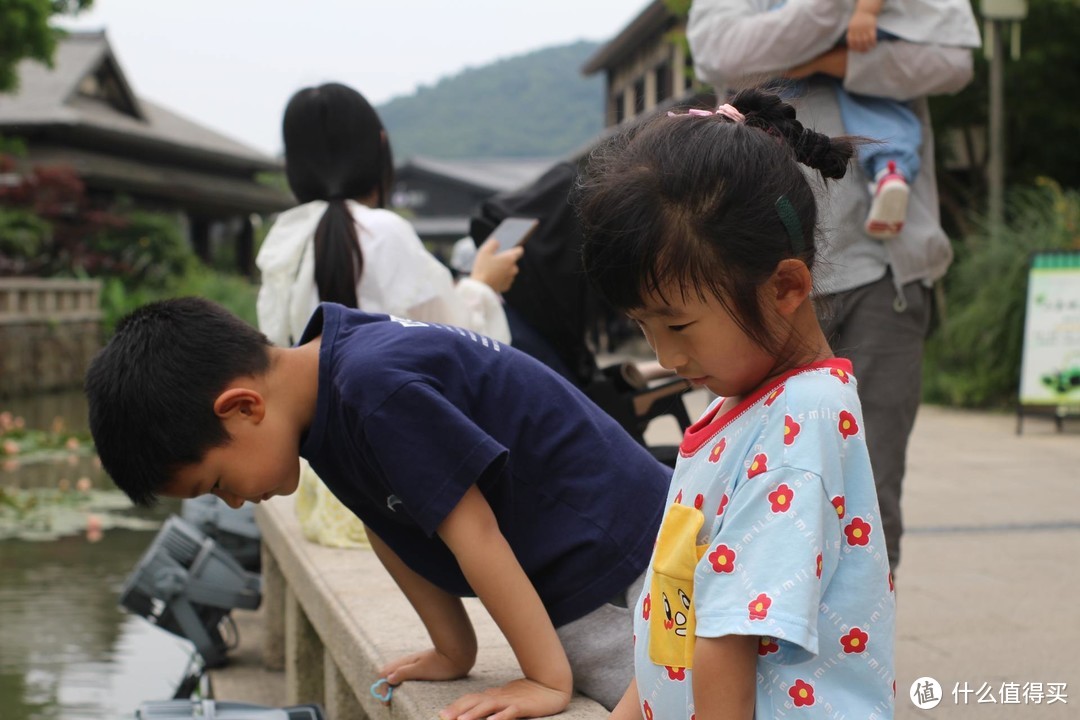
x=233, y=528
x=213, y=710
x=187, y=584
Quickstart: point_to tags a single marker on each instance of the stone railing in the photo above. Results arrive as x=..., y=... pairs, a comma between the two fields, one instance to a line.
x=49, y=331
x=333, y=617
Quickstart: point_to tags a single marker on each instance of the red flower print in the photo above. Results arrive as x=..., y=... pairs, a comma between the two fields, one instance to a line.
x=791, y=429
x=675, y=673
x=819, y=563
x=648, y=710
x=646, y=607
x=717, y=450
x=854, y=641
x=678, y=498
x=838, y=503
x=759, y=607
x=840, y=375
x=768, y=645
x=758, y=466
x=847, y=425
x=699, y=500
x=858, y=531
x=891, y=587
x=781, y=498
x=773, y=395
x=723, y=504
x=722, y=559
x=802, y=694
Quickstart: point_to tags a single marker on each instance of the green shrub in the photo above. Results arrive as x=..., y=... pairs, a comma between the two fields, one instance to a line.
x=235, y=292
x=973, y=360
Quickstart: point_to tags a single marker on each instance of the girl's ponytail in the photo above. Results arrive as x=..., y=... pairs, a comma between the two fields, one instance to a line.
x=768, y=112
x=338, y=259
x=336, y=150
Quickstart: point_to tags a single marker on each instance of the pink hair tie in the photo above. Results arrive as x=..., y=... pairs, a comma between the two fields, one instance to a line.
x=728, y=111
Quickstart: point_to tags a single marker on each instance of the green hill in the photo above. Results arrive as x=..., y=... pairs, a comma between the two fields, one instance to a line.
x=537, y=104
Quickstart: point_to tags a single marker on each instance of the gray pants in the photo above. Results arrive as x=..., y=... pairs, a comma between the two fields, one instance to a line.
x=883, y=334
x=600, y=647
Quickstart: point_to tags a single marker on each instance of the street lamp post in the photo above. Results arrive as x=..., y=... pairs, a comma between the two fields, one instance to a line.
x=998, y=14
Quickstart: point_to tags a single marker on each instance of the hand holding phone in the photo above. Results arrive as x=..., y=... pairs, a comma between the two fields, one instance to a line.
x=514, y=231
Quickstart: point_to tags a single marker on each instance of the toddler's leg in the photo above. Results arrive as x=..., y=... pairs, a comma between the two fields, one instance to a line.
x=891, y=159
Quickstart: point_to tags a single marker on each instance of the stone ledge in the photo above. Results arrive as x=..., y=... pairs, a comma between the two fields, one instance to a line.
x=334, y=616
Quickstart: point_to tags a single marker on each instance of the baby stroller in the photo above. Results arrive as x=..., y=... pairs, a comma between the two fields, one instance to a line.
x=551, y=304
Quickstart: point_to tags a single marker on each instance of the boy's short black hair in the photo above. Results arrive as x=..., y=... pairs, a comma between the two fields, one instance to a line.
x=151, y=389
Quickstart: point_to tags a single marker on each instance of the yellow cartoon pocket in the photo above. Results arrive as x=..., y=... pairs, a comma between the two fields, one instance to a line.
x=672, y=625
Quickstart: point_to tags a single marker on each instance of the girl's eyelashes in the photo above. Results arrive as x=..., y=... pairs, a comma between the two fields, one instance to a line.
x=679, y=328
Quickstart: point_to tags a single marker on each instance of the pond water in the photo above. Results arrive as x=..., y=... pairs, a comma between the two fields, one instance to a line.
x=68, y=540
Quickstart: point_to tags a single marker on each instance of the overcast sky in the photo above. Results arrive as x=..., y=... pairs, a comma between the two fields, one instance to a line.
x=232, y=64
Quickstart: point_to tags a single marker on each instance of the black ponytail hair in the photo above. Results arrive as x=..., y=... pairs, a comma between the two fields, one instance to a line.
x=767, y=111
x=336, y=150
x=693, y=201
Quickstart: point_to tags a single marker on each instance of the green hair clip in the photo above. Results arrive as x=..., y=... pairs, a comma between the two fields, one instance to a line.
x=791, y=222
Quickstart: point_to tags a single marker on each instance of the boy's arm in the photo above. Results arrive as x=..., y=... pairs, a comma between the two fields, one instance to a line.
x=629, y=708
x=862, y=28
x=472, y=533
x=444, y=617
x=725, y=677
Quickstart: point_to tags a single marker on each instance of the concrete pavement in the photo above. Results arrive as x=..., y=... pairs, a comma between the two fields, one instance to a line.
x=989, y=584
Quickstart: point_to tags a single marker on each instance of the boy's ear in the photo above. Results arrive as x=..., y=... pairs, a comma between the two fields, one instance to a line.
x=240, y=402
x=790, y=285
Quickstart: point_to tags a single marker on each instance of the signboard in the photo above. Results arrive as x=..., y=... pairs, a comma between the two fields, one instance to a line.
x=1050, y=364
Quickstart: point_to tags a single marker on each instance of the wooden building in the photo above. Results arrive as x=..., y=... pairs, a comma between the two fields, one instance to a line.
x=82, y=113
x=646, y=68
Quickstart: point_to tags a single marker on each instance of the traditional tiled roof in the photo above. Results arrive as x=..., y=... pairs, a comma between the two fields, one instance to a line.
x=490, y=174
x=86, y=94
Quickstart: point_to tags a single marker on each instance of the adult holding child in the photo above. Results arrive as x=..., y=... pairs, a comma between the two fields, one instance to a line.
x=877, y=293
x=342, y=245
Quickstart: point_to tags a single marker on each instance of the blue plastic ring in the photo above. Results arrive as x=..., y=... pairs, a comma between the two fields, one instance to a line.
x=375, y=690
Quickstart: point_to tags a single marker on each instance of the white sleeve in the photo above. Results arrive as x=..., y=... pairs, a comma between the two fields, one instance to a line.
x=903, y=71
x=740, y=43
x=402, y=278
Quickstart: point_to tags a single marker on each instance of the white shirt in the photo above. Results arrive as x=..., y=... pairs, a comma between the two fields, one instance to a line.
x=400, y=277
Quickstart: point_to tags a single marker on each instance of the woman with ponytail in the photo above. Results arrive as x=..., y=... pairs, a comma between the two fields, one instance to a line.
x=342, y=245
x=769, y=588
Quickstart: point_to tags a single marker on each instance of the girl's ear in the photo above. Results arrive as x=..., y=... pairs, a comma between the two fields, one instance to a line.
x=240, y=402
x=790, y=285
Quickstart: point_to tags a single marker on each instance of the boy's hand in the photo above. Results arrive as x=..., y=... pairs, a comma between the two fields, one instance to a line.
x=862, y=31
x=425, y=665
x=522, y=698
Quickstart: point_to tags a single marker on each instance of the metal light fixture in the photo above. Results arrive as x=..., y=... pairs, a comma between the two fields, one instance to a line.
x=187, y=584
x=234, y=529
x=212, y=710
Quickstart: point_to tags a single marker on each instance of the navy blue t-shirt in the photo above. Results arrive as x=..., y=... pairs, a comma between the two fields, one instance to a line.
x=410, y=415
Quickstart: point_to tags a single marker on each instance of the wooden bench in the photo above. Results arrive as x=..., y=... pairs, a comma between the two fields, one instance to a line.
x=334, y=616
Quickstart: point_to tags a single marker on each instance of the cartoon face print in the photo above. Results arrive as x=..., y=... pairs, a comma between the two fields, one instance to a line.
x=675, y=618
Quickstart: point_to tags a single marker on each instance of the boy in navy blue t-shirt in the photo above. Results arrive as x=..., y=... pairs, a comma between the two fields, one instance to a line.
x=475, y=469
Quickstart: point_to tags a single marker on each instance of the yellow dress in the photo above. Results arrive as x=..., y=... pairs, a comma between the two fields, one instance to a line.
x=323, y=518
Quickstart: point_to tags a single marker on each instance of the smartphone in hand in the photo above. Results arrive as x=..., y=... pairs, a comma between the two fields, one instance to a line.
x=514, y=231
